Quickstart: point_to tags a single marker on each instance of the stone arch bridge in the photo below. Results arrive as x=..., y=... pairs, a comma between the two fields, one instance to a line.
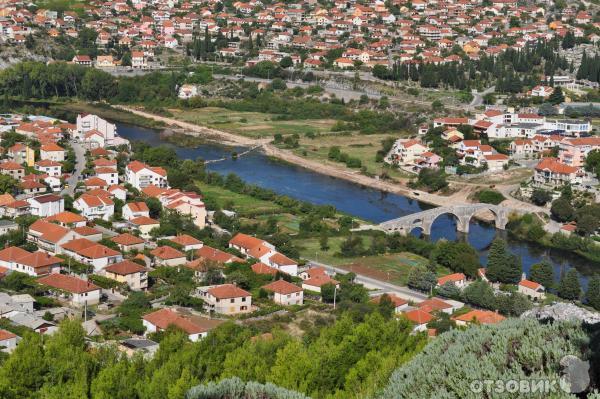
x=463, y=214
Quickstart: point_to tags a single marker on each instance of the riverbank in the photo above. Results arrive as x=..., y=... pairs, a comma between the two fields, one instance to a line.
x=353, y=176
x=460, y=194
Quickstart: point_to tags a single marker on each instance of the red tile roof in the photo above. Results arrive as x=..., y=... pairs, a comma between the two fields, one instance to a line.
x=163, y=318
x=127, y=239
x=68, y=283
x=227, y=291
x=481, y=316
x=124, y=268
x=167, y=252
x=282, y=287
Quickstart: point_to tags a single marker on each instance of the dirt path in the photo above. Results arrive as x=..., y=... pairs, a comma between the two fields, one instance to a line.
x=459, y=196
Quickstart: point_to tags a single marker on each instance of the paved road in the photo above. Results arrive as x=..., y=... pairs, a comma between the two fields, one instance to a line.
x=371, y=283
x=478, y=97
x=79, y=166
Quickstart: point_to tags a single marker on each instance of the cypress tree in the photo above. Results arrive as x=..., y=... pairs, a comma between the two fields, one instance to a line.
x=593, y=292
x=542, y=273
x=569, y=287
x=497, y=257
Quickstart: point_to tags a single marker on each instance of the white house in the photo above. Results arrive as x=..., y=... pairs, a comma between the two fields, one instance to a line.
x=88, y=122
x=163, y=318
x=187, y=91
x=140, y=175
x=91, y=253
x=95, y=206
x=8, y=341
x=46, y=205
x=458, y=279
x=78, y=291
x=226, y=299
x=51, y=168
x=133, y=210
x=285, y=293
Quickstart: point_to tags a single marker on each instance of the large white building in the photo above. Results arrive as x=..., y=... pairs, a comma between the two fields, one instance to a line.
x=96, y=131
x=140, y=175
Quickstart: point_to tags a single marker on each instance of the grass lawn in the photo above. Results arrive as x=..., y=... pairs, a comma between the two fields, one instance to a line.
x=250, y=124
x=242, y=204
x=356, y=145
x=392, y=267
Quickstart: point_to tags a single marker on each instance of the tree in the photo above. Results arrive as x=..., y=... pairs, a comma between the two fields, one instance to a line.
x=562, y=210
x=569, y=40
x=503, y=266
x=286, y=62
x=459, y=257
x=542, y=273
x=592, y=162
x=324, y=241
x=97, y=85
x=449, y=290
x=480, y=294
x=386, y=306
x=539, y=196
x=328, y=292
x=587, y=224
x=569, y=287
x=421, y=279
x=8, y=184
x=593, y=292
x=557, y=96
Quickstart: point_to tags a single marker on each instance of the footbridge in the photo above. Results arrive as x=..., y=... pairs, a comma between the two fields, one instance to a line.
x=463, y=214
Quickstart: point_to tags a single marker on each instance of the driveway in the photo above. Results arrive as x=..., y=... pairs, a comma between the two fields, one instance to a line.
x=79, y=166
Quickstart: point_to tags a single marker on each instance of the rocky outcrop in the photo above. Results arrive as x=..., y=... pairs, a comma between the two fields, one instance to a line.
x=563, y=311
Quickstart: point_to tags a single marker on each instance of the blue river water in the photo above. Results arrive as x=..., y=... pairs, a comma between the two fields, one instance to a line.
x=366, y=203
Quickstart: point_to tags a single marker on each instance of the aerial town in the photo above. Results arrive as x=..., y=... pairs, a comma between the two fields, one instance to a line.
x=315, y=199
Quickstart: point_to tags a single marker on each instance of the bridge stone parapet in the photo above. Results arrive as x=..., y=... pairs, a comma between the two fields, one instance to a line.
x=463, y=214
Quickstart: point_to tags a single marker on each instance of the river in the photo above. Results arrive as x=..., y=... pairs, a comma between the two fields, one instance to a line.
x=366, y=203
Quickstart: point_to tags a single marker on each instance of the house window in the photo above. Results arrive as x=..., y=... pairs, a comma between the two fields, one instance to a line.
x=232, y=300
x=243, y=299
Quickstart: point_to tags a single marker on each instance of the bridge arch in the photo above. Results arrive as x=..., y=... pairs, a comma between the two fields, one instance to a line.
x=462, y=213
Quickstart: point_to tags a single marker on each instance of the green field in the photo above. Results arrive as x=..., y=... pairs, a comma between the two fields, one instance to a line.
x=242, y=204
x=390, y=267
x=356, y=145
x=250, y=124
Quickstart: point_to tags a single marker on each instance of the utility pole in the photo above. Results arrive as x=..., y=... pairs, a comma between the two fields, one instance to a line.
x=334, y=295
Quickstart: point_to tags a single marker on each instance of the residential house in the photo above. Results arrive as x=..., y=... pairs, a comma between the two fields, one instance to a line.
x=21, y=153
x=67, y=219
x=49, y=236
x=128, y=242
x=574, y=151
x=51, y=168
x=226, y=299
x=93, y=123
x=46, y=205
x=8, y=341
x=479, y=317
x=79, y=292
x=161, y=319
x=12, y=169
x=133, y=210
x=37, y=264
x=128, y=272
x=187, y=242
x=317, y=282
x=91, y=253
x=419, y=318
x=551, y=172
x=457, y=279
x=145, y=225
x=168, y=256
x=95, y=206
x=285, y=293
x=399, y=304
x=140, y=175
x=406, y=152
x=52, y=152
